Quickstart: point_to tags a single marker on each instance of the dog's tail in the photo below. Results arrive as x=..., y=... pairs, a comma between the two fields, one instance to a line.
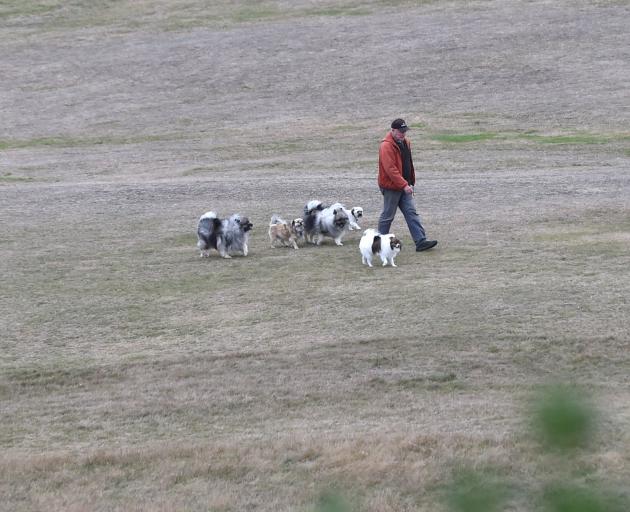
x=376, y=244
x=208, y=215
x=312, y=209
x=276, y=219
x=312, y=206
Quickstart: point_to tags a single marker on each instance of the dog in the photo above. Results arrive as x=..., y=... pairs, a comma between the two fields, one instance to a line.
x=354, y=215
x=279, y=229
x=311, y=210
x=320, y=222
x=385, y=246
x=225, y=235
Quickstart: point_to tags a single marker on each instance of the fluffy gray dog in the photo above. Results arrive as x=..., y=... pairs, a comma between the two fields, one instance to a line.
x=320, y=222
x=225, y=235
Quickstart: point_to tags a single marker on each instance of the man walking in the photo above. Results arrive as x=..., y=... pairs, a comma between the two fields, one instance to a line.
x=396, y=179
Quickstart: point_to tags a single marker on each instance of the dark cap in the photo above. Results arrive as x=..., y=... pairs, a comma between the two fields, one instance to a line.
x=400, y=124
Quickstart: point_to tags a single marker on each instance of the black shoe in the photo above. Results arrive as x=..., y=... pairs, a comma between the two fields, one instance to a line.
x=425, y=245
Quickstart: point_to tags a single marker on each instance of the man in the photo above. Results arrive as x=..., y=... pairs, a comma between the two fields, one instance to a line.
x=396, y=179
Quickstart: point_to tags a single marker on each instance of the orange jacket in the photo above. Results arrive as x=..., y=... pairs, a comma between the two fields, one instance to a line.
x=390, y=165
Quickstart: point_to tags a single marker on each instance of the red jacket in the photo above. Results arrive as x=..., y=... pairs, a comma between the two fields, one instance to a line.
x=390, y=165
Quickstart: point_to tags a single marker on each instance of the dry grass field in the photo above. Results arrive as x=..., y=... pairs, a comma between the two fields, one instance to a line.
x=136, y=376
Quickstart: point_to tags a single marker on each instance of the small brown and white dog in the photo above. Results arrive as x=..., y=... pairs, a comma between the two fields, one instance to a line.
x=279, y=229
x=385, y=246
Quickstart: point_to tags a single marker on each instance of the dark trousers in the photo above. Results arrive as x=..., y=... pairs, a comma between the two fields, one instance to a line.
x=394, y=199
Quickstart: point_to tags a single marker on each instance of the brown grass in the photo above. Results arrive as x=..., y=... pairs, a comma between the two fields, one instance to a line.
x=136, y=376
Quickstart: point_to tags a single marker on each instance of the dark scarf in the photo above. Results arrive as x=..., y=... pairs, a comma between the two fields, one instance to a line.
x=405, y=152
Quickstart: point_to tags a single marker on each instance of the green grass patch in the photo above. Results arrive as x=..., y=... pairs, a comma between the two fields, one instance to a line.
x=569, y=139
x=10, y=178
x=459, y=138
x=338, y=11
x=257, y=13
x=10, y=8
x=66, y=142
x=532, y=136
x=125, y=15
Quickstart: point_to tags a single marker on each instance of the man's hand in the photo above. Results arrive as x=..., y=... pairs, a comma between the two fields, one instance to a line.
x=408, y=190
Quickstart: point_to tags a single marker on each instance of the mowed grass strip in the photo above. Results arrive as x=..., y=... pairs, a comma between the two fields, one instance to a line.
x=63, y=141
x=457, y=138
x=56, y=15
x=560, y=139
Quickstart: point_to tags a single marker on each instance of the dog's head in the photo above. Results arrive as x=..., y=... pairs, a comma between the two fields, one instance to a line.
x=245, y=224
x=357, y=212
x=395, y=244
x=340, y=218
x=297, y=226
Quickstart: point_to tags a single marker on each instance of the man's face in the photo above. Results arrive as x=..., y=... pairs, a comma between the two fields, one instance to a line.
x=398, y=135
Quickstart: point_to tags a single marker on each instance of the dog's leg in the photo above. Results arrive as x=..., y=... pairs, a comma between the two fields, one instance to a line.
x=338, y=241
x=391, y=261
x=245, y=250
x=222, y=249
x=295, y=245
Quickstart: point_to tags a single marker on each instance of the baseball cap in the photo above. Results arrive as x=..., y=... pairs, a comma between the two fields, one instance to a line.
x=400, y=124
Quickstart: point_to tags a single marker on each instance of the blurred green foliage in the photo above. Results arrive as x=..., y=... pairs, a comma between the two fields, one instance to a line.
x=567, y=498
x=563, y=418
x=332, y=501
x=475, y=492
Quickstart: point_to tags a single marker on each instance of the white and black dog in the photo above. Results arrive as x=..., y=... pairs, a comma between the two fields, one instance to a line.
x=319, y=222
x=225, y=235
x=354, y=215
x=385, y=246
